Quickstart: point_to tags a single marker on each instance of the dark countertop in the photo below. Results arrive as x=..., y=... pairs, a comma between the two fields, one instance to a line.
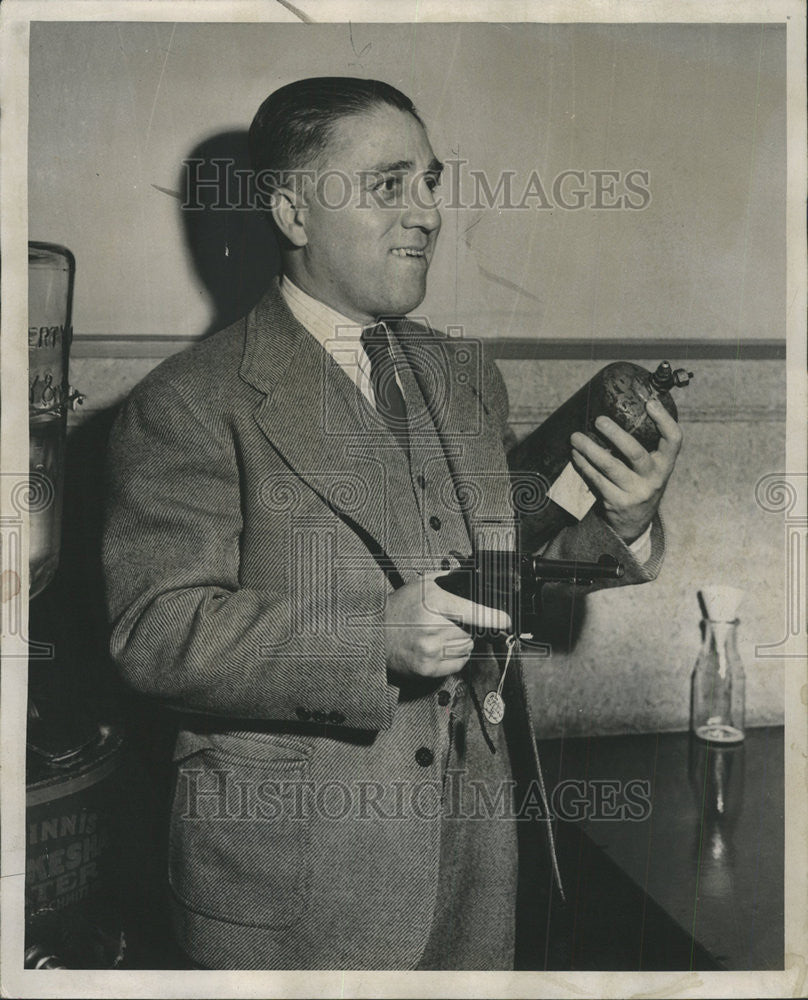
x=695, y=832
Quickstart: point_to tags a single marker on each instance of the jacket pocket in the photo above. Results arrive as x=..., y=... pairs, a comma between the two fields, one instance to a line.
x=239, y=838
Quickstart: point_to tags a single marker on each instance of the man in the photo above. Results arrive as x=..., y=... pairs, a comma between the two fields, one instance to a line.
x=284, y=497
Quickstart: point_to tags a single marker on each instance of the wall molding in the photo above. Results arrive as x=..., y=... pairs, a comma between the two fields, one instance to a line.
x=504, y=349
x=519, y=349
x=529, y=417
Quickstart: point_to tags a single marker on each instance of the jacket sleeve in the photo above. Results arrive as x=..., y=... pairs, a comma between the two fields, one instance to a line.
x=184, y=629
x=592, y=536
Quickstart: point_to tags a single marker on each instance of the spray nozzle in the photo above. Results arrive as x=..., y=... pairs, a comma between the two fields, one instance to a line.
x=666, y=378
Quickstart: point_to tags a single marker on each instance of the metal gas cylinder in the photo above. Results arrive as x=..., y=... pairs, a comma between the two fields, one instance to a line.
x=543, y=459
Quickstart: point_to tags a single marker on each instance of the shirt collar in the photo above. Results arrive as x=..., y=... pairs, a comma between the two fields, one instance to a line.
x=323, y=323
x=338, y=335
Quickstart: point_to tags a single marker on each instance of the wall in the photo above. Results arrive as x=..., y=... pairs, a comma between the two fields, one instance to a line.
x=698, y=275
x=115, y=108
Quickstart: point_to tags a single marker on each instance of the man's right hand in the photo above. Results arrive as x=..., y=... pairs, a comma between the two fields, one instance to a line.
x=421, y=631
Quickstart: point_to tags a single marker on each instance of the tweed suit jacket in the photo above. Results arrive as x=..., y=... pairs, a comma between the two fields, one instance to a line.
x=255, y=525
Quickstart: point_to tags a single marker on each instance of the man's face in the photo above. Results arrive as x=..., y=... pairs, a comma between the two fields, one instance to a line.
x=370, y=257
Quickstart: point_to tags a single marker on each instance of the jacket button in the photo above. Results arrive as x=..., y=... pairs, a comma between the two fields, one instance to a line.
x=336, y=717
x=303, y=713
x=445, y=564
x=424, y=756
x=434, y=522
x=319, y=716
x=421, y=480
x=444, y=697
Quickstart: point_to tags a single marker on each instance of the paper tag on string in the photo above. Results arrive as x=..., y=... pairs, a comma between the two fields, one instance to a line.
x=571, y=492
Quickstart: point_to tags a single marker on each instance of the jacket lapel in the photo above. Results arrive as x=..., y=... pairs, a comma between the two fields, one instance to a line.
x=320, y=423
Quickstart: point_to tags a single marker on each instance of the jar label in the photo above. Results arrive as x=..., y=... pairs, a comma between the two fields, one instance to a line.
x=48, y=336
x=45, y=391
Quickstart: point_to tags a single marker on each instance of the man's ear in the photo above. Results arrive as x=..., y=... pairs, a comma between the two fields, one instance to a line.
x=289, y=212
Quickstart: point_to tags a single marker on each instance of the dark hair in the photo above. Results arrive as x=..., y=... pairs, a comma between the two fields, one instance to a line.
x=295, y=123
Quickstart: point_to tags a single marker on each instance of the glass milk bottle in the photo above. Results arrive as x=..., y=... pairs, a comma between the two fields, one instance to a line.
x=50, y=293
x=717, y=684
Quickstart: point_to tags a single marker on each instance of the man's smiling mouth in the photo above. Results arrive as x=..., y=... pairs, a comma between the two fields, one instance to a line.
x=408, y=252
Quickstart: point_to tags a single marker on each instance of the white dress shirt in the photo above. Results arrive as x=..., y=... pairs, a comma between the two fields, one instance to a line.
x=335, y=333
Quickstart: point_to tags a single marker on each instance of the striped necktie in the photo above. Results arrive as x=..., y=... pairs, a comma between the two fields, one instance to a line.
x=390, y=403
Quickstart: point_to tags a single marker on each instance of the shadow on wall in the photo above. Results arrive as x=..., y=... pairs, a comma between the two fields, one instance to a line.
x=235, y=255
x=233, y=249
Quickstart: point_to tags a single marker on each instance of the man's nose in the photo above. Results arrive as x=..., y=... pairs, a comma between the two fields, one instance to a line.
x=421, y=210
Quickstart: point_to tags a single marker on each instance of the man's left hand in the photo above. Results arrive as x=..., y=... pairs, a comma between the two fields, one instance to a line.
x=629, y=490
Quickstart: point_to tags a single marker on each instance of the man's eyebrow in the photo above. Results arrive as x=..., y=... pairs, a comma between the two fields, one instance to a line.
x=435, y=167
